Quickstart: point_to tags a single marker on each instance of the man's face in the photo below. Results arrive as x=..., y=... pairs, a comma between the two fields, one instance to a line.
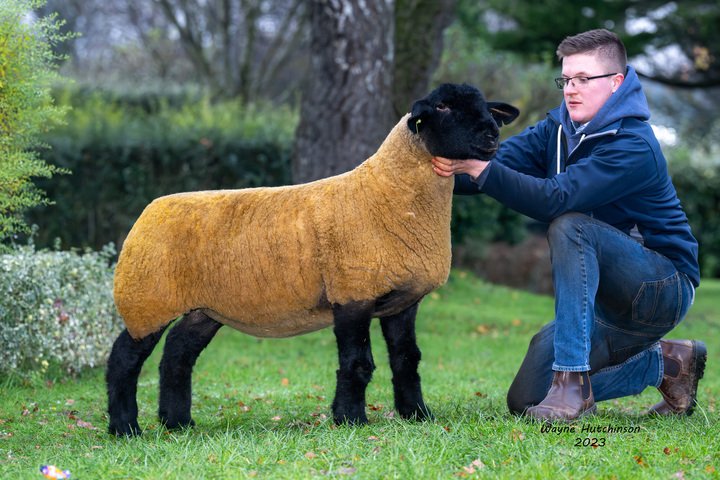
x=583, y=103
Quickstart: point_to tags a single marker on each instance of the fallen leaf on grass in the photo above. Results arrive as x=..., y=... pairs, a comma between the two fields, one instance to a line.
x=310, y=455
x=339, y=471
x=474, y=466
x=346, y=471
x=87, y=425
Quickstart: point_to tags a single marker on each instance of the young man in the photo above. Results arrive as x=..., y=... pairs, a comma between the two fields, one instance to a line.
x=624, y=263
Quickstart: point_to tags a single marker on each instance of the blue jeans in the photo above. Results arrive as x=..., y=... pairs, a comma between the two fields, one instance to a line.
x=614, y=301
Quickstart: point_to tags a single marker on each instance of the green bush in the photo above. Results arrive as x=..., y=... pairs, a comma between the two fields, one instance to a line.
x=56, y=310
x=27, y=70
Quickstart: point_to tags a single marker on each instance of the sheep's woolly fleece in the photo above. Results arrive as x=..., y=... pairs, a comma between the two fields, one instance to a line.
x=270, y=261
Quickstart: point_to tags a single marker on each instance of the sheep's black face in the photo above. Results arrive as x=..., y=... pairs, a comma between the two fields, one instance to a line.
x=456, y=122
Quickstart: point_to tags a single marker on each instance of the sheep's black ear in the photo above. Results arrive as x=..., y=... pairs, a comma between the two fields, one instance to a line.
x=502, y=112
x=420, y=110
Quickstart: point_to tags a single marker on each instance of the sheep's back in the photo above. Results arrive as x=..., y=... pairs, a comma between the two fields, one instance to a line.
x=244, y=256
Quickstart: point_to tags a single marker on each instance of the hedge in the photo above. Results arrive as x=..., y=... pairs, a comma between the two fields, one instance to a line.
x=122, y=156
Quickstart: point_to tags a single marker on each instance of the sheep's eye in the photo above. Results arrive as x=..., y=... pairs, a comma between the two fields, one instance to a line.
x=442, y=107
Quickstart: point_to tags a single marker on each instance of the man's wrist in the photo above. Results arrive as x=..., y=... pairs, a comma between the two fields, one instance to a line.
x=480, y=178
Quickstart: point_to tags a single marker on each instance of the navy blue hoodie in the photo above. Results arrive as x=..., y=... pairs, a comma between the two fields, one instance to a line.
x=615, y=172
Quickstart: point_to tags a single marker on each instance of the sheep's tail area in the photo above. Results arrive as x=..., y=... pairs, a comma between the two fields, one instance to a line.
x=242, y=256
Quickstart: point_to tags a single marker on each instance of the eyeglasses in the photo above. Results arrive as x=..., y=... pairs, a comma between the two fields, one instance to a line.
x=578, y=82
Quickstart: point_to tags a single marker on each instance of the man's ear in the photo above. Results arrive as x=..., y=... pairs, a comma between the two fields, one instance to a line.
x=502, y=112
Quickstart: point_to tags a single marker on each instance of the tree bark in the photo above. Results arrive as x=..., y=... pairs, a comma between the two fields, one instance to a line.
x=419, y=29
x=346, y=109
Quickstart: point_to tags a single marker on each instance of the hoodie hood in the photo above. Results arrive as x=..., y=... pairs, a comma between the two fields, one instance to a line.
x=627, y=101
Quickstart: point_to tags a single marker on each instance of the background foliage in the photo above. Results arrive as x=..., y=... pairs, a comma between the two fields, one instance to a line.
x=126, y=151
x=27, y=70
x=56, y=311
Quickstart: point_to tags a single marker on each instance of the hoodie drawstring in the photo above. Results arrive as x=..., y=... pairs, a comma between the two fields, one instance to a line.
x=558, y=148
x=559, y=137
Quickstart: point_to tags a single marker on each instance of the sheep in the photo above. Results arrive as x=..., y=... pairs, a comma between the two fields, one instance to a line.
x=285, y=261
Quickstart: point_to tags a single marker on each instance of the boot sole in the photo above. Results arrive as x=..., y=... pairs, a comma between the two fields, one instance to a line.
x=587, y=413
x=699, y=360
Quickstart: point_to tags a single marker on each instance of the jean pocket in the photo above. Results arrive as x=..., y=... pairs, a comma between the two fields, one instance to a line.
x=659, y=303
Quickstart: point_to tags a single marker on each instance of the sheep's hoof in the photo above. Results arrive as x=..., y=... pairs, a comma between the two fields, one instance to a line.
x=127, y=430
x=353, y=420
x=418, y=414
x=177, y=424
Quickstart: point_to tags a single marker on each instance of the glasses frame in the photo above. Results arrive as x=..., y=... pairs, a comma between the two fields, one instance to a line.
x=563, y=82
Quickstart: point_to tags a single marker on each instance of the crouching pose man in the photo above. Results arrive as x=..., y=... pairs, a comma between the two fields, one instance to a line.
x=624, y=263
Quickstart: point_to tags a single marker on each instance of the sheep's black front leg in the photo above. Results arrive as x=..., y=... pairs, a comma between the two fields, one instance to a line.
x=123, y=368
x=352, y=331
x=399, y=333
x=184, y=342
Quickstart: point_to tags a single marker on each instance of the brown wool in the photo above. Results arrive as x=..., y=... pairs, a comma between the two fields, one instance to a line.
x=269, y=261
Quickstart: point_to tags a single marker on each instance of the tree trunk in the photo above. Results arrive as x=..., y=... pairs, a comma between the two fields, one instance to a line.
x=346, y=109
x=419, y=29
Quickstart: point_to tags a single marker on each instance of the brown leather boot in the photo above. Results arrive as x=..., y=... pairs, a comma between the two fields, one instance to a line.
x=684, y=365
x=570, y=397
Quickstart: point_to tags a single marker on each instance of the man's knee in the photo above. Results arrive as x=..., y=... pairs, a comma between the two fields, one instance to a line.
x=566, y=223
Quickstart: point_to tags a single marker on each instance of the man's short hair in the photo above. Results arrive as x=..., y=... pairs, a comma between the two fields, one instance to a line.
x=603, y=43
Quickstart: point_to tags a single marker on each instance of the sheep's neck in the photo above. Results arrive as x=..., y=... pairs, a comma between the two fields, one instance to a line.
x=401, y=172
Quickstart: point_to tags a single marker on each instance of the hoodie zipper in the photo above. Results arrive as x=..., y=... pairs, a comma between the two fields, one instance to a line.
x=582, y=139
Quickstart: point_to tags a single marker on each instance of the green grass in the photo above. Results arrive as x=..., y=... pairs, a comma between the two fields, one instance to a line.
x=262, y=409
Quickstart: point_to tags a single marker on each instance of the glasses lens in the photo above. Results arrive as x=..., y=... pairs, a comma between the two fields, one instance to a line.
x=581, y=81
x=560, y=82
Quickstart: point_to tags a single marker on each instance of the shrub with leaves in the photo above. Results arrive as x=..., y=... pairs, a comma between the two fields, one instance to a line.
x=56, y=310
x=27, y=71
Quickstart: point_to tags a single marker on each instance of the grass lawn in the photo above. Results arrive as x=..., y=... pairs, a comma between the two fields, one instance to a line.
x=262, y=409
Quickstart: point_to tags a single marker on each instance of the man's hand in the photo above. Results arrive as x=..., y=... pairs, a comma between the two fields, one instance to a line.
x=446, y=167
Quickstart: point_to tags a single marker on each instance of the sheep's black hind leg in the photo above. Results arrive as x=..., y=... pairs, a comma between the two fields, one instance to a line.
x=399, y=333
x=123, y=368
x=352, y=331
x=184, y=342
